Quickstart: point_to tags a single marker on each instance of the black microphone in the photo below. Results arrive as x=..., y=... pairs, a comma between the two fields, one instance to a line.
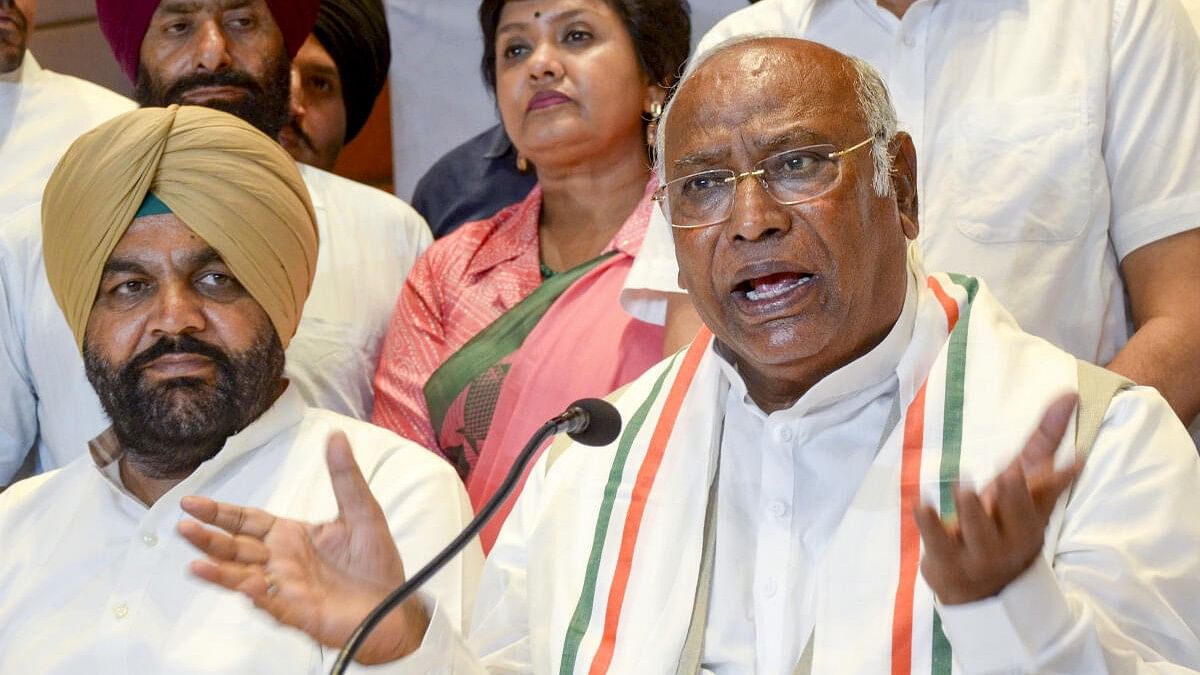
x=590, y=421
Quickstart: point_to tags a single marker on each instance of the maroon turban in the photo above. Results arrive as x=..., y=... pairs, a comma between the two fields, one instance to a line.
x=125, y=22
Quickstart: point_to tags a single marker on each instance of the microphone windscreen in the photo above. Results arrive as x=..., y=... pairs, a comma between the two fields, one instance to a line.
x=604, y=422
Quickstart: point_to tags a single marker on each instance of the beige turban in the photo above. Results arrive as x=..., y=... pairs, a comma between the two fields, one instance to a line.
x=228, y=182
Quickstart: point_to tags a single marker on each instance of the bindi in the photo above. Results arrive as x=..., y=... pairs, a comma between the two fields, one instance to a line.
x=537, y=15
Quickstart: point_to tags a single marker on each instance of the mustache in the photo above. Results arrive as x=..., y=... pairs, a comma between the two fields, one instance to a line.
x=220, y=78
x=10, y=9
x=180, y=345
x=294, y=127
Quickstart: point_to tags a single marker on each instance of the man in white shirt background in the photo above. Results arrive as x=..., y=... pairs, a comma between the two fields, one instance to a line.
x=41, y=111
x=336, y=77
x=234, y=57
x=1057, y=144
x=182, y=311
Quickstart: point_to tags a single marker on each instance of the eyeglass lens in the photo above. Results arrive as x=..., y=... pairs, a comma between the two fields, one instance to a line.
x=789, y=177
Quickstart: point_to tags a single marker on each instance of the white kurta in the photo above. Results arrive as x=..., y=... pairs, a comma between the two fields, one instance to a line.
x=41, y=114
x=1113, y=592
x=95, y=582
x=1053, y=139
x=368, y=241
x=778, y=508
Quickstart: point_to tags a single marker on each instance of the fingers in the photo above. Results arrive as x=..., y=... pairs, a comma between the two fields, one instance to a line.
x=938, y=541
x=229, y=517
x=355, y=502
x=1045, y=439
x=977, y=528
x=1047, y=489
x=1014, y=507
x=222, y=546
x=230, y=575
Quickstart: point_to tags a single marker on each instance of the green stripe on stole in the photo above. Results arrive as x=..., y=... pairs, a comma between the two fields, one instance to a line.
x=581, y=618
x=952, y=430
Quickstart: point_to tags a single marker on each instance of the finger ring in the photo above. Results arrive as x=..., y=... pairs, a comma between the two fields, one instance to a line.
x=272, y=587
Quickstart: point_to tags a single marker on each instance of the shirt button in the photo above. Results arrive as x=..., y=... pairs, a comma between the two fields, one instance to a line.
x=908, y=41
x=784, y=434
x=777, y=509
x=149, y=539
x=770, y=588
x=121, y=611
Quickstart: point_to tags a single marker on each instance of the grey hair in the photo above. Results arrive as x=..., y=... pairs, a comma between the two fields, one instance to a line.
x=877, y=108
x=873, y=100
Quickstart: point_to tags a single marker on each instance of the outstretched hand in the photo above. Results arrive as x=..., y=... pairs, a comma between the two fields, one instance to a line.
x=999, y=533
x=323, y=579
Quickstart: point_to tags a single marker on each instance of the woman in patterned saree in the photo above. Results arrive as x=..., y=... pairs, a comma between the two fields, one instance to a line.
x=507, y=320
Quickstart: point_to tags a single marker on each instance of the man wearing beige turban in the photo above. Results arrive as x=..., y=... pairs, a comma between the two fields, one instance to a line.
x=180, y=245
x=234, y=57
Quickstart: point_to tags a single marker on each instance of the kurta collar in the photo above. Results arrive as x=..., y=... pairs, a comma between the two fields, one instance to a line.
x=866, y=372
x=286, y=412
x=514, y=232
x=27, y=72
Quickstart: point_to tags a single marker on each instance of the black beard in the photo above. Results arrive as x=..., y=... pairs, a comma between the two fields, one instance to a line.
x=265, y=105
x=13, y=41
x=168, y=429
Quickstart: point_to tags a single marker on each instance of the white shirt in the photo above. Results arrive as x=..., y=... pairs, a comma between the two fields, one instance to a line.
x=1053, y=139
x=786, y=480
x=96, y=582
x=368, y=241
x=41, y=114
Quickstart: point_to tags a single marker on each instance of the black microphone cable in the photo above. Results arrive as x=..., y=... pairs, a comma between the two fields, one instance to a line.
x=590, y=421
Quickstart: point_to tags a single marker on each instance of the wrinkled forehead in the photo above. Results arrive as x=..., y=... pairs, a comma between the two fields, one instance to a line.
x=762, y=95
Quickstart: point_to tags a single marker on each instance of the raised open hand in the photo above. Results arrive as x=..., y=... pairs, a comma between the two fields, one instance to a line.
x=322, y=579
x=998, y=534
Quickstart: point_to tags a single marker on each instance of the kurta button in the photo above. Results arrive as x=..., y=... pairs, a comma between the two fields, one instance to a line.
x=121, y=611
x=908, y=41
x=784, y=434
x=777, y=509
x=149, y=539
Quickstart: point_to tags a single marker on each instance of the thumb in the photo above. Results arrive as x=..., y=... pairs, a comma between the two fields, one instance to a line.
x=1038, y=454
x=356, y=504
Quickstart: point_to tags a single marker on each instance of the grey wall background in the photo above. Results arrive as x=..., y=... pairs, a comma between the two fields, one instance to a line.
x=67, y=39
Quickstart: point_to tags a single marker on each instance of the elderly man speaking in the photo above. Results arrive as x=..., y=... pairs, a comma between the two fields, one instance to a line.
x=862, y=468
x=180, y=244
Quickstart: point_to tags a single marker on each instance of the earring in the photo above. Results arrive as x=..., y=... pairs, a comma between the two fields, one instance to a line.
x=522, y=164
x=655, y=111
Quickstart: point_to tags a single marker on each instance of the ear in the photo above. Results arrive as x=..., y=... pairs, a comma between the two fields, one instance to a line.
x=904, y=181
x=655, y=93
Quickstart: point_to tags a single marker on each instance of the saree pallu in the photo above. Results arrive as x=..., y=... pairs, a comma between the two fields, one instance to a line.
x=567, y=340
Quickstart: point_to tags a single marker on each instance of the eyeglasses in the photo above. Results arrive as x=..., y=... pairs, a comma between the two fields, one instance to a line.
x=790, y=177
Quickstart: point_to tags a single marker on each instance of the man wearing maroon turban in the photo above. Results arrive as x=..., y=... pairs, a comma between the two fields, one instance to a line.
x=233, y=56
x=172, y=52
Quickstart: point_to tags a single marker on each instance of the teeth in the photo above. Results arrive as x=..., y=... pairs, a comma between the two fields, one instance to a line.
x=775, y=290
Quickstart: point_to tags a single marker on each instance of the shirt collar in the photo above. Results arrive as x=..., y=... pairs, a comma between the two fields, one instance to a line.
x=284, y=413
x=25, y=73
x=514, y=231
x=513, y=234
x=866, y=372
x=498, y=142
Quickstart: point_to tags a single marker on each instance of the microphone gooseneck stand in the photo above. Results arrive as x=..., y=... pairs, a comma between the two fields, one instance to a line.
x=576, y=421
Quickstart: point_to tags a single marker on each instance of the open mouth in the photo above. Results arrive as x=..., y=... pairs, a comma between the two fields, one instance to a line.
x=772, y=286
